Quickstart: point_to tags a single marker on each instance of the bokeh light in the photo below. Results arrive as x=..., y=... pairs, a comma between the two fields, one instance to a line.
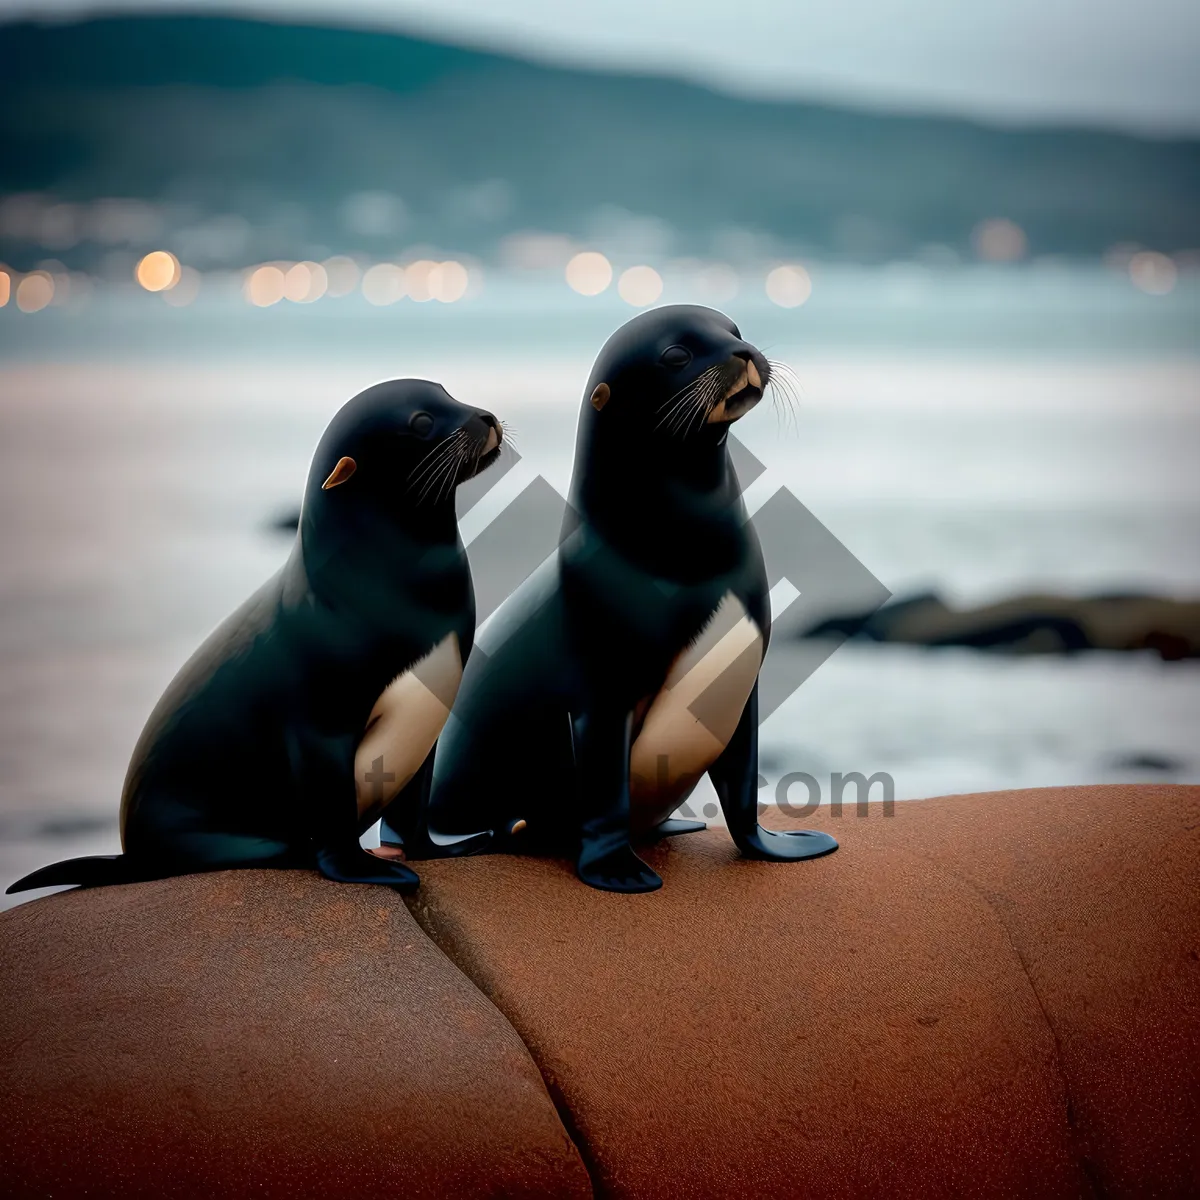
x=1117, y=257
x=186, y=290
x=999, y=240
x=61, y=278
x=113, y=222
x=1152, y=272
x=534, y=251
x=448, y=281
x=789, y=285
x=1187, y=262
x=589, y=273
x=264, y=286
x=158, y=271
x=374, y=214
x=35, y=291
x=5, y=288
x=60, y=226
x=384, y=283
x=341, y=275
x=418, y=278
x=78, y=288
x=716, y=283
x=640, y=286
x=304, y=282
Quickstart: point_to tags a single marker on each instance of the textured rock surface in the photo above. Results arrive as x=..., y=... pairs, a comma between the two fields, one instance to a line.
x=981, y=995
x=989, y=995
x=258, y=1033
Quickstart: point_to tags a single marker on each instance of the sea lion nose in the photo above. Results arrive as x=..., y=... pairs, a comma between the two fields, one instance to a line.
x=495, y=434
x=753, y=377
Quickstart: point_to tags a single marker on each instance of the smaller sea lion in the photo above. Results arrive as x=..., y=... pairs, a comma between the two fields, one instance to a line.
x=315, y=707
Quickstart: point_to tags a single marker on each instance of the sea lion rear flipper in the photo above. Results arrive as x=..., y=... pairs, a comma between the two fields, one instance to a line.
x=406, y=823
x=674, y=826
x=94, y=871
x=601, y=740
x=353, y=864
x=735, y=777
x=426, y=843
x=406, y=810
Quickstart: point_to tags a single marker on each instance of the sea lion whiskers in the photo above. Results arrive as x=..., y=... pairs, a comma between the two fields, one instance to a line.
x=708, y=397
x=745, y=377
x=448, y=470
x=784, y=389
x=731, y=381
x=733, y=377
x=426, y=462
x=432, y=460
x=431, y=473
x=705, y=401
x=681, y=404
x=673, y=402
x=447, y=467
x=688, y=389
x=474, y=450
x=467, y=450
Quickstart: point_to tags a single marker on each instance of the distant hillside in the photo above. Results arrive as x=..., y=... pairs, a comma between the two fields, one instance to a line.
x=253, y=118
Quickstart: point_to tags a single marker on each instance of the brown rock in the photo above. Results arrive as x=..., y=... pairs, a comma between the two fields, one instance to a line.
x=258, y=1033
x=983, y=995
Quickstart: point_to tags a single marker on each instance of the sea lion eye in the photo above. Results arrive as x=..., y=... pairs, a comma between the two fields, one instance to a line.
x=675, y=356
x=420, y=423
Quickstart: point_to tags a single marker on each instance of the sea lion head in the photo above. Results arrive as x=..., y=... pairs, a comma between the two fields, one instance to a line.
x=679, y=372
x=401, y=445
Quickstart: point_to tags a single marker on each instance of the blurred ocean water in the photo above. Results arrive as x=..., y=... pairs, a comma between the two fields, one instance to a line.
x=981, y=434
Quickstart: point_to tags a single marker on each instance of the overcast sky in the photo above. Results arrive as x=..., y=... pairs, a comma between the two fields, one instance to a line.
x=1131, y=63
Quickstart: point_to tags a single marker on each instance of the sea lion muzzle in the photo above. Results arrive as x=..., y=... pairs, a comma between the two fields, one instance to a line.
x=741, y=396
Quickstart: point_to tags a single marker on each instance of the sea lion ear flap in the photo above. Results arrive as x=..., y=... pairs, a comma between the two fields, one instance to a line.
x=600, y=396
x=344, y=469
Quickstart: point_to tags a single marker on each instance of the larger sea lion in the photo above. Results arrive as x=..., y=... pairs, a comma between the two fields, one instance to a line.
x=316, y=705
x=626, y=666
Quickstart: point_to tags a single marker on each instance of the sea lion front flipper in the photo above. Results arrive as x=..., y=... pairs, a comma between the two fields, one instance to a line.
x=405, y=823
x=735, y=777
x=606, y=861
x=325, y=768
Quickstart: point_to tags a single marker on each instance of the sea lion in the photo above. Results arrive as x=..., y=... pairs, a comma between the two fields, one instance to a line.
x=626, y=666
x=316, y=705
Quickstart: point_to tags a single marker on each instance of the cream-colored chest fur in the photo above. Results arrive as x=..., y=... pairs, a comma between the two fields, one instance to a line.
x=694, y=715
x=404, y=725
